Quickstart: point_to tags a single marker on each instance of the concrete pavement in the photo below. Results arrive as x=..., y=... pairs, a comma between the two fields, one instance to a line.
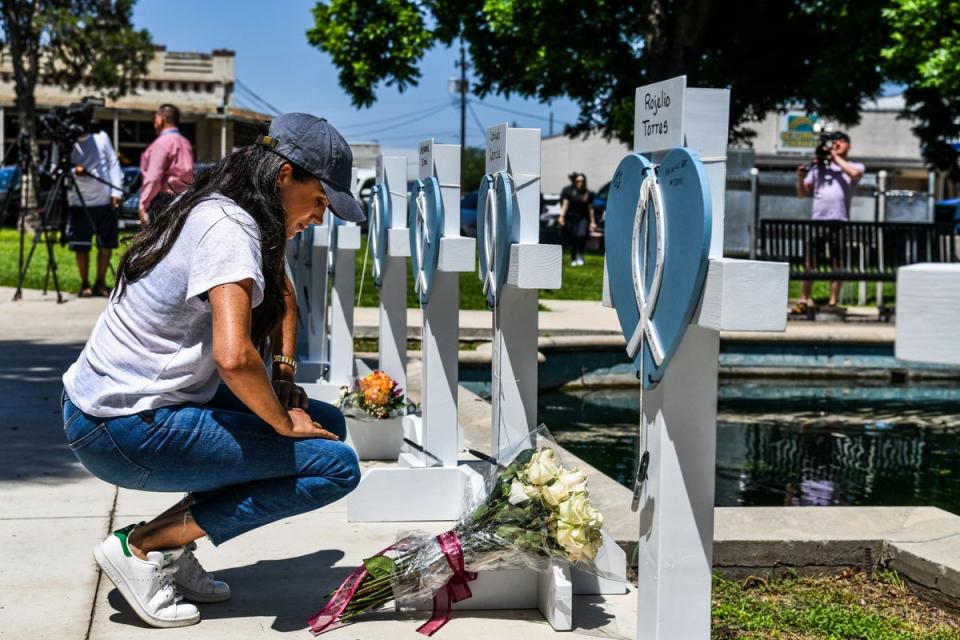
x=53, y=512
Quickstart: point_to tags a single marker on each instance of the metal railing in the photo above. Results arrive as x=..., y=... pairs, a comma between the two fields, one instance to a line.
x=858, y=251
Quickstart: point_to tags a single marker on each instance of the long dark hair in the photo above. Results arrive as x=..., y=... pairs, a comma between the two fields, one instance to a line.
x=249, y=178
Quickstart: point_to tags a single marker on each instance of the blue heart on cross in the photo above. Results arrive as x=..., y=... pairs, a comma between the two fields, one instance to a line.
x=495, y=232
x=333, y=229
x=381, y=214
x=657, y=225
x=425, y=223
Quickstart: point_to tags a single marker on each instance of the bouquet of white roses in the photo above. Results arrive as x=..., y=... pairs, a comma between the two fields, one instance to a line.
x=536, y=511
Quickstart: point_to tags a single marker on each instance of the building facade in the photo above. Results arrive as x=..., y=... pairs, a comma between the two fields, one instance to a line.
x=882, y=140
x=201, y=85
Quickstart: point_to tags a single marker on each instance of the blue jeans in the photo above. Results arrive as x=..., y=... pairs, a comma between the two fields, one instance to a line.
x=240, y=472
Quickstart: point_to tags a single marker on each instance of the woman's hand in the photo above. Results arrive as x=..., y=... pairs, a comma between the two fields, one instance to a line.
x=290, y=395
x=302, y=426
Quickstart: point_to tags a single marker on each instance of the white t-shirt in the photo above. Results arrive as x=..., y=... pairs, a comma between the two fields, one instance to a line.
x=154, y=347
x=96, y=154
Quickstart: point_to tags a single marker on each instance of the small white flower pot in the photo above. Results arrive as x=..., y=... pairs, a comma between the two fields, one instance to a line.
x=375, y=439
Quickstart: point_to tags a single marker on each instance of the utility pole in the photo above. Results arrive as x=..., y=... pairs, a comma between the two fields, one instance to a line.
x=463, y=103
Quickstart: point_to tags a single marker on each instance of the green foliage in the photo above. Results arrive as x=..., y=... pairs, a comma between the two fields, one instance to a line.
x=75, y=42
x=66, y=263
x=924, y=54
x=370, y=42
x=770, y=54
x=379, y=566
x=474, y=166
x=580, y=283
x=850, y=605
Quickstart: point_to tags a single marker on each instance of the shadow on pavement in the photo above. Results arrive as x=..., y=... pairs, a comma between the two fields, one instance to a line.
x=288, y=590
x=32, y=446
x=293, y=589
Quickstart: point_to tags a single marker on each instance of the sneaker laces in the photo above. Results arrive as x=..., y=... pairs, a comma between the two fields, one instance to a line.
x=196, y=570
x=166, y=586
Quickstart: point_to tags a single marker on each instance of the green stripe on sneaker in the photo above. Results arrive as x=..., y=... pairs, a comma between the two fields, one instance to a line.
x=122, y=536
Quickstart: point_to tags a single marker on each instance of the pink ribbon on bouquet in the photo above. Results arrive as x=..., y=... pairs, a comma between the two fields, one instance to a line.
x=456, y=588
x=328, y=618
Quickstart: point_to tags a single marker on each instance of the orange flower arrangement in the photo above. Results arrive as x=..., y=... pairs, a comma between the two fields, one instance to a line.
x=376, y=393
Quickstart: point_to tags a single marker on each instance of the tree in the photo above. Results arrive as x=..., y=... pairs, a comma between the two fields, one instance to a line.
x=822, y=54
x=924, y=55
x=71, y=43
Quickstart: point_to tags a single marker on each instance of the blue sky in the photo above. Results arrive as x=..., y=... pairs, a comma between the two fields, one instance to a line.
x=275, y=61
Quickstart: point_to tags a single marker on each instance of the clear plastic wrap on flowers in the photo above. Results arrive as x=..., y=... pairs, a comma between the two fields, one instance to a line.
x=535, y=511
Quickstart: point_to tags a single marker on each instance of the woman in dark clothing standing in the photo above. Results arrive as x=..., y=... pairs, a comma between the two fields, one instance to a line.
x=577, y=218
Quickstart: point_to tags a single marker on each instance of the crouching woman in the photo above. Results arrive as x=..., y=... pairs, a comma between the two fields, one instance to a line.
x=171, y=393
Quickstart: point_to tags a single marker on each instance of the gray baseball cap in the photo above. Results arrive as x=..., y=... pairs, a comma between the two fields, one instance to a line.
x=314, y=145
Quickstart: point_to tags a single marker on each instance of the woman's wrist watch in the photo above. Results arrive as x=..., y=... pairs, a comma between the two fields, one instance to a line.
x=287, y=360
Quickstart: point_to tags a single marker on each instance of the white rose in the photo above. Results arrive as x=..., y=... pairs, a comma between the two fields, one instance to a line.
x=579, y=512
x=518, y=492
x=572, y=539
x=532, y=491
x=555, y=493
x=592, y=547
x=542, y=468
x=575, y=481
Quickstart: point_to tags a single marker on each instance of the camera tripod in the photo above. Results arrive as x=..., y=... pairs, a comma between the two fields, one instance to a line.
x=52, y=215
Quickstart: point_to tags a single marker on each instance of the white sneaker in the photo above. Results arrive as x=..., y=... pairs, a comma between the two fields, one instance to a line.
x=580, y=262
x=573, y=263
x=147, y=585
x=194, y=582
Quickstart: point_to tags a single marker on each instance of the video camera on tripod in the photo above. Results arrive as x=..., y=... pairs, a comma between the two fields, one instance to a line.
x=65, y=126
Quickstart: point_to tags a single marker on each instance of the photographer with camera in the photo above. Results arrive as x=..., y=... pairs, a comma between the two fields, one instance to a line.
x=829, y=179
x=98, y=180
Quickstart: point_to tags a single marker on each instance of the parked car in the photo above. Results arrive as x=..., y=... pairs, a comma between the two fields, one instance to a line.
x=600, y=204
x=10, y=194
x=550, y=231
x=468, y=214
x=130, y=208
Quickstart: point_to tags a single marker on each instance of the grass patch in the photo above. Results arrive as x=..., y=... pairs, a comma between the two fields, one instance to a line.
x=66, y=263
x=821, y=292
x=578, y=283
x=851, y=605
x=372, y=345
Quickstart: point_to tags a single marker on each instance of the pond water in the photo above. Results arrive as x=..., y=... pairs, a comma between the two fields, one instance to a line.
x=782, y=443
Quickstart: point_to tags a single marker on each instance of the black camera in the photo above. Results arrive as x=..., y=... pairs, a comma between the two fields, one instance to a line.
x=66, y=124
x=824, y=146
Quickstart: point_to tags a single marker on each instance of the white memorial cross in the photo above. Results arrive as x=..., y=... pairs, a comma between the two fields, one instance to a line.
x=529, y=266
x=430, y=484
x=928, y=313
x=390, y=265
x=679, y=415
x=329, y=310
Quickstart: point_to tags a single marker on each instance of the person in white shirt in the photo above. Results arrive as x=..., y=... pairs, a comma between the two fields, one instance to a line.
x=170, y=392
x=93, y=212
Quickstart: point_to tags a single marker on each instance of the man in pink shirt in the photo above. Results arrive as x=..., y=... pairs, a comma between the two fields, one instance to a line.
x=167, y=164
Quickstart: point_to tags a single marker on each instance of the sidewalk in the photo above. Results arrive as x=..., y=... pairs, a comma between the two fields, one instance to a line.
x=54, y=512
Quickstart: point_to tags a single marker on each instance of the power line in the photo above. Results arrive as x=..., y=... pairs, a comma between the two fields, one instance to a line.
x=476, y=118
x=254, y=96
x=516, y=112
x=400, y=116
x=426, y=114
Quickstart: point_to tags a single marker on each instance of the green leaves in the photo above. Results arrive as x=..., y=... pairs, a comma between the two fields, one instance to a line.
x=371, y=42
x=379, y=566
